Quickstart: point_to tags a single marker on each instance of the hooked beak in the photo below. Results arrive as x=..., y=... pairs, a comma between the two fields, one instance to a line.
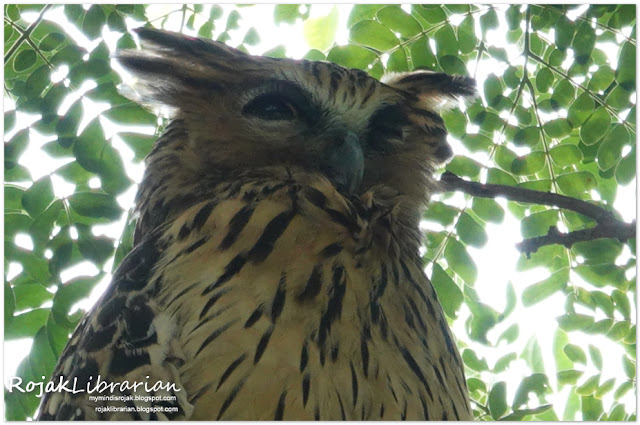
x=344, y=163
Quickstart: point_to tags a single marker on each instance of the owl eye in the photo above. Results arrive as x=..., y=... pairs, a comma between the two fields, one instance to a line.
x=271, y=107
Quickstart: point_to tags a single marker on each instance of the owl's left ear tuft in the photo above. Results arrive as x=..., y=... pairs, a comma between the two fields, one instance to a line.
x=433, y=89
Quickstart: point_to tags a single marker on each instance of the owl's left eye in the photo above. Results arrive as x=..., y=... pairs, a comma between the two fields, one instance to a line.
x=271, y=107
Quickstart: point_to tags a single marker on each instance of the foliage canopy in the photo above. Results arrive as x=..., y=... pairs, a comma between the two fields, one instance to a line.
x=556, y=113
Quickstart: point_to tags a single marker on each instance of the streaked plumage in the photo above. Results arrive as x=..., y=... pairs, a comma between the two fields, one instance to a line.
x=275, y=272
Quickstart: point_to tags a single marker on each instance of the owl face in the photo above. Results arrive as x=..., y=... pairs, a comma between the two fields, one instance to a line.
x=244, y=112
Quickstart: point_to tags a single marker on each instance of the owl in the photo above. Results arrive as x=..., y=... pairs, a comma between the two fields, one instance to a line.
x=275, y=272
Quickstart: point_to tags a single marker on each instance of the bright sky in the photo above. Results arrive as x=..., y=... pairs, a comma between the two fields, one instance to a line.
x=496, y=261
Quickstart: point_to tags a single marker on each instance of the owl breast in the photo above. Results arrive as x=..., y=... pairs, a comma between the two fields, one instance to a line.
x=300, y=313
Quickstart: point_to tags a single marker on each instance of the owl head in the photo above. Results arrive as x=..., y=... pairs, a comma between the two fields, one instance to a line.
x=244, y=112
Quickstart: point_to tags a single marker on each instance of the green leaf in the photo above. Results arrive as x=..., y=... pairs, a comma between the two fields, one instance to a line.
x=626, y=169
x=544, y=80
x=576, y=184
x=452, y=65
x=251, y=37
x=399, y=21
x=601, y=79
x=622, y=390
x=591, y=407
x=112, y=173
x=361, y=12
x=351, y=56
x=536, y=383
x=30, y=295
x=319, y=33
x=488, y=209
x=470, y=232
x=9, y=303
x=528, y=164
x=67, y=127
x=537, y=292
x=95, y=205
x=600, y=275
x=476, y=142
x=38, y=197
x=421, y=54
x=629, y=367
x=600, y=327
x=464, y=166
x=398, y=61
x=373, y=34
x=432, y=13
x=492, y=89
x=584, y=40
x=130, y=114
x=557, y=128
x=440, y=213
x=617, y=413
x=140, y=143
x=16, y=147
x=626, y=69
x=618, y=331
x=460, y=261
x=598, y=251
x=115, y=22
x=574, y=322
x=595, y=127
x=93, y=21
x=538, y=224
x=498, y=400
x=565, y=30
x=89, y=146
x=206, y=30
x=619, y=98
x=446, y=42
x=604, y=302
x=610, y=150
x=564, y=155
x=26, y=325
x=467, y=35
x=489, y=21
x=589, y=386
x=483, y=319
x=287, y=13
x=232, y=20
x=476, y=385
x=472, y=360
x=563, y=94
x=69, y=294
x=569, y=377
x=528, y=136
x=24, y=60
x=596, y=356
x=51, y=41
x=503, y=362
x=510, y=335
x=449, y=294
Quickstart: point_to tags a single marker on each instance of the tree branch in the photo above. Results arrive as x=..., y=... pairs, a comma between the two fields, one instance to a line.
x=614, y=230
x=608, y=226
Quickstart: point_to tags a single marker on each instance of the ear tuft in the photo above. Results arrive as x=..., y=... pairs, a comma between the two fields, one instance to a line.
x=173, y=69
x=434, y=89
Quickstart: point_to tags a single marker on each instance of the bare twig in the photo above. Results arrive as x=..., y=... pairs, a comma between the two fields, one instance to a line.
x=26, y=34
x=608, y=226
x=614, y=230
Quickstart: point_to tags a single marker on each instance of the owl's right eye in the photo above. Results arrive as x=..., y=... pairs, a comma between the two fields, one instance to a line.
x=271, y=107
